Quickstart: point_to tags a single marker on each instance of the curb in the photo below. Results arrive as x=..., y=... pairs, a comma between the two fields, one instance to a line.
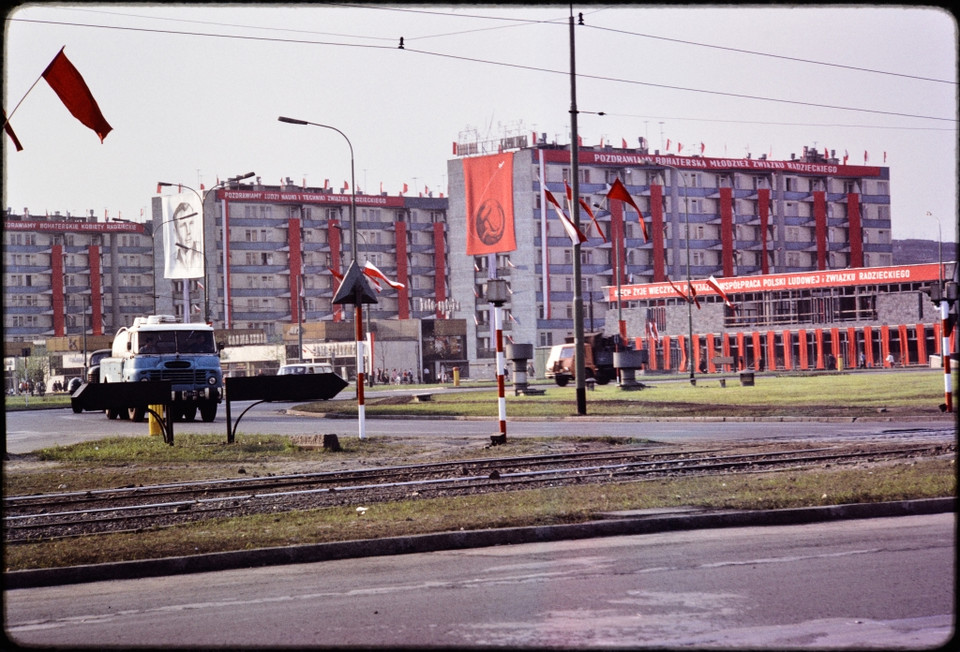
x=638, y=524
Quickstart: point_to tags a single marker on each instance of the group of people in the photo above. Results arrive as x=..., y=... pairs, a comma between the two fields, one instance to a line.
x=394, y=377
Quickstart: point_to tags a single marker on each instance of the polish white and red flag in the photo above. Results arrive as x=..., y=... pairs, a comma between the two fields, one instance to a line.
x=371, y=271
x=712, y=282
x=586, y=207
x=576, y=235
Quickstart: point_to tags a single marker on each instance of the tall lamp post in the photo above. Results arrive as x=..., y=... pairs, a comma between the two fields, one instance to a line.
x=203, y=229
x=358, y=287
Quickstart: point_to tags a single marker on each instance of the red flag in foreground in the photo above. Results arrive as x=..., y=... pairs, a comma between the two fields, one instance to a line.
x=693, y=294
x=678, y=290
x=593, y=217
x=371, y=270
x=7, y=128
x=576, y=235
x=67, y=83
x=712, y=282
x=619, y=191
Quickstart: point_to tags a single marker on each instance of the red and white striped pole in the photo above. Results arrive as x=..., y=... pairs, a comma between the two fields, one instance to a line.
x=945, y=353
x=361, y=414
x=501, y=399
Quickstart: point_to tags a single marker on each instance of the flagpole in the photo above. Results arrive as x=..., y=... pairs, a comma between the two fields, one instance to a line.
x=575, y=184
x=6, y=118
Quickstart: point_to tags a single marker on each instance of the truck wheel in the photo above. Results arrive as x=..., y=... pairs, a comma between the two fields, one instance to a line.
x=136, y=414
x=112, y=414
x=190, y=413
x=604, y=376
x=562, y=380
x=208, y=411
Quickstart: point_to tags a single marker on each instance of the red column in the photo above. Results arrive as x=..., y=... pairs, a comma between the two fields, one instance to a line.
x=763, y=207
x=56, y=286
x=804, y=357
x=818, y=337
x=820, y=219
x=868, y=345
x=787, y=350
x=904, y=346
x=921, y=344
x=682, y=343
x=710, y=353
x=439, y=263
x=726, y=230
x=333, y=238
x=403, y=294
x=757, y=350
x=741, y=351
x=656, y=219
x=652, y=343
x=96, y=296
x=665, y=344
x=295, y=268
x=771, y=350
x=855, y=235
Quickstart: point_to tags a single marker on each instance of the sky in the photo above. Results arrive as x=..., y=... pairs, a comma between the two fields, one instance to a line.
x=193, y=93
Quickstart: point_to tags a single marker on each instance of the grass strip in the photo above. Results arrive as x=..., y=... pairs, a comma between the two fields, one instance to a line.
x=575, y=504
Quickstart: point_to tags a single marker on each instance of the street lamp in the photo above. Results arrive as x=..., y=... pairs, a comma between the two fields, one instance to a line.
x=353, y=185
x=357, y=287
x=203, y=230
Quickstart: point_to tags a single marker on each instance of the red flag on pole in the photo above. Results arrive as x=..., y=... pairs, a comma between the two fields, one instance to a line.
x=678, y=290
x=593, y=217
x=67, y=83
x=619, y=191
x=16, y=141
x=693, y=294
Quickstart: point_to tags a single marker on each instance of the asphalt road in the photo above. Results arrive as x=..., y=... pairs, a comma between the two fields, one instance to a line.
x=870, y=583
x=26, y=431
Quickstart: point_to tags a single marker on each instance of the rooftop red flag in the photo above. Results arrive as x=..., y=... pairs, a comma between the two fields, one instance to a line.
x=619, y=191
x=67, y=83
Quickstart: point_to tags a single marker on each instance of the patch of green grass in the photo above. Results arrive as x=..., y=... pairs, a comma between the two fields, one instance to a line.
x=27, y=402
x=823, y=394
x=904, y=480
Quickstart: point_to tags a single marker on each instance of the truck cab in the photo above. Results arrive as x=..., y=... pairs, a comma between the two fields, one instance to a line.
x=158, y=348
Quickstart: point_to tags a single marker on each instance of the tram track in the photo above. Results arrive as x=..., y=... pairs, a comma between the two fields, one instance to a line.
x=79, y=513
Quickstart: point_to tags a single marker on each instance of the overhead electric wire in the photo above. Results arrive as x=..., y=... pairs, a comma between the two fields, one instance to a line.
x=502, y=64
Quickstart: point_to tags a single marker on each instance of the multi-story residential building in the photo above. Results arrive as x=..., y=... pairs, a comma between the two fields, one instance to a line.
x=267, y=245
x=66, y=275
x=703, y=216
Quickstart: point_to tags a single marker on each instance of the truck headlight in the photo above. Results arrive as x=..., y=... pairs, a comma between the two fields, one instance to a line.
x=212, y=380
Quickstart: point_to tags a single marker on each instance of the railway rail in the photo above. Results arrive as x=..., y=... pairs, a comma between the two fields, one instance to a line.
x=70, y=514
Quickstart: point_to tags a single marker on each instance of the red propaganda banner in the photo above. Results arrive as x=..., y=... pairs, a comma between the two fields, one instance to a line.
x=488, y=185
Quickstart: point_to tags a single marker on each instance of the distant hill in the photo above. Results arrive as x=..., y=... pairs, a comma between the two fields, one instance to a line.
x=914, y=252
